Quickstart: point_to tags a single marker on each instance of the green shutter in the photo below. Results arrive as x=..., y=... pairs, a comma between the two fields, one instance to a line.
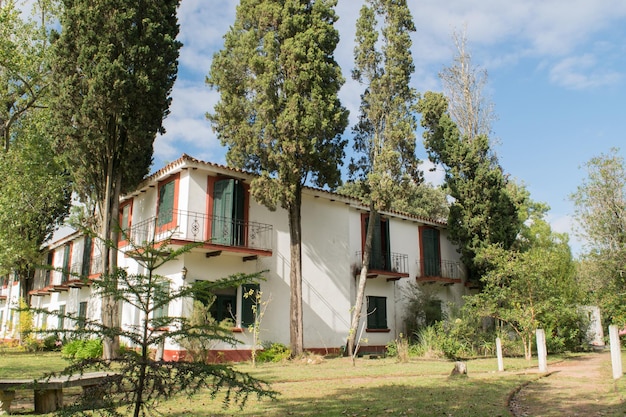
x=223, y=212
x=61, y=318
x=86, y=257
x=380, y=258
x=228, y=212
x=247, y=302
x=430, y=245
x=376, y=312
x=165, y=212
x=66, y=264
x=82, y=314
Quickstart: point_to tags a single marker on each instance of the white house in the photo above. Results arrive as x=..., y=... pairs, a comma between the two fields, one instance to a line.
x=201, y=201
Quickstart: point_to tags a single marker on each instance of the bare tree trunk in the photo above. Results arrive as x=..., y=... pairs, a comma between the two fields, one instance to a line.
x=110, y=307
x=296, y=328
x=360, y=293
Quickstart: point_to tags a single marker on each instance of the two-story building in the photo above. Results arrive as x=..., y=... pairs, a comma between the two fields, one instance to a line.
x=196, y=201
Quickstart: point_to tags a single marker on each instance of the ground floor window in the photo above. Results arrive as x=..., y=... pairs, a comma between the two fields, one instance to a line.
x=376, y=312
x=82, y=314
x=234, y=304
x=61, y=318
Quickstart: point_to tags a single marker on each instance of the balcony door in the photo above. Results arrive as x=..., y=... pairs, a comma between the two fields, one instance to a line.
x=432, y=256
x=228, y=213
x=380, y=257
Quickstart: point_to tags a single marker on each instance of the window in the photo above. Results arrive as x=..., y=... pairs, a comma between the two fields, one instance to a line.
x=160, y=302
x=82, y=314
x=376, y=312
x=49, y=270
x=433, y=312
x=86, y=266
x=126, y=212
x=225, y=304
x=61, y=318
x=431, y=258
x=167, y=204
x=380, y=258
x=67, y=259
x=247, y=303
x=227, y=227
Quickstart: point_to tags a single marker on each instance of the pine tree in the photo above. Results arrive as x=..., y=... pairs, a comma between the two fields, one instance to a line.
x=385, y=133
x=114, y=67
x=279, y=113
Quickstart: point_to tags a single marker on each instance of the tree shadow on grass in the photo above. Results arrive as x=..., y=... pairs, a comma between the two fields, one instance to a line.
x=438, y=396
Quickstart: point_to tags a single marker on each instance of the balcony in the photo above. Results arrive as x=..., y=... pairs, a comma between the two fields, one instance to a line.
x=218, y=233
x=392, y=266
x=440, y=271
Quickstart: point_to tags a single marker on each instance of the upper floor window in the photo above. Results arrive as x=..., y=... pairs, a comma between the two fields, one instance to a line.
x=67, y=259
x=431, y=255
x=125, y=219
x=86, y=265
x=380, y=257
x=168, y=203
x=227, y=225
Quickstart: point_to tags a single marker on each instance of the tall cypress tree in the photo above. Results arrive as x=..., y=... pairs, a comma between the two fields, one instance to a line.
x=385, y=133
x=279, y=113
x=114, y=67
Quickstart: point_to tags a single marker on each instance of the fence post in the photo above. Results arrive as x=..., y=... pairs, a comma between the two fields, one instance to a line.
x=499, y=353
x=542, y=351
x=616, y=354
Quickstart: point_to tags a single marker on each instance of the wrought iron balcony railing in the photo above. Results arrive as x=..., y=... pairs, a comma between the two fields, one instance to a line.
x=439, y=268
x=385, y=261
x=199, y=227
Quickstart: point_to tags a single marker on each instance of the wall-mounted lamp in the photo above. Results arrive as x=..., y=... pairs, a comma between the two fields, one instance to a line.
x=184, y=271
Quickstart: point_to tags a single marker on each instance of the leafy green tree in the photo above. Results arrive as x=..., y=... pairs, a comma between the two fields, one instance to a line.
x=34, y=193
x=530, y=288
x=138, y=380
x=24, y=63
x=485, y=208
x=422, y=200
x=601, y=218
x=34, y=198
x=279, y=113
x=385, y=133
x=114, y=66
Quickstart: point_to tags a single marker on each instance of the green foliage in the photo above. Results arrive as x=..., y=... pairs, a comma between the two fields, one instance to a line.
x=601, y=216
x=273, y=352
x=422, y=200
x=384, y=140
x=81, y=349
x=279, y=111
x=147, y=381
x=485, y=208
x=114, y=67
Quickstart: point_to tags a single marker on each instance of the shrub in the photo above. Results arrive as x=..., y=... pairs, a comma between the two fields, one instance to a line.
x=82, y=349
x=273, y=352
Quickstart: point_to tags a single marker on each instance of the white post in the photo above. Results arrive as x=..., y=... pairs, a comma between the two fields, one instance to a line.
x=499, y=353
x=542, y=351
x=616, y=354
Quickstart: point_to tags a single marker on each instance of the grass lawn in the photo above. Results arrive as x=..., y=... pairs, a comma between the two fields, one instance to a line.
x=333, y=387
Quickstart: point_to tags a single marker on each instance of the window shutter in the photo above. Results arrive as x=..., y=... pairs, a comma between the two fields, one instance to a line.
x=66, y=264
x=430, y=244
x=223, y=212
x=86, y=257
x=165, y=211
x=247, y=312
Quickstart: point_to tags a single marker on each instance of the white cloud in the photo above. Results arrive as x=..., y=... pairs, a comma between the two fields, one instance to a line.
x=582, y=72
x=566, y=224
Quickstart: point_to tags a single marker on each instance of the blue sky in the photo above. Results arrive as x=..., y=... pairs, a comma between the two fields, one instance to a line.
x=557, y=79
